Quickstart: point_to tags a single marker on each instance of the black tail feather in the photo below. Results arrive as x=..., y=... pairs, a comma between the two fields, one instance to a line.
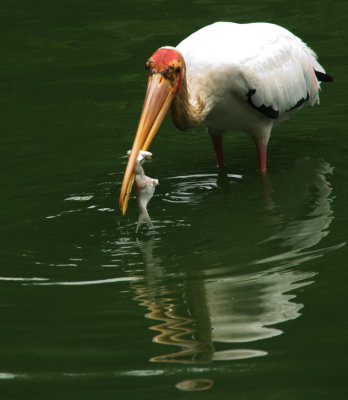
x=322, y=77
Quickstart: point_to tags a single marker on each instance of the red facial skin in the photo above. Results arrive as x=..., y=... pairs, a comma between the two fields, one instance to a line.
x=169, y=63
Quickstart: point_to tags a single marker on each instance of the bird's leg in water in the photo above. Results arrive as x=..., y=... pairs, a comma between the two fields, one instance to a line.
x=262, y=155
x=261, y=137
x=267, y=191
x=217, y=144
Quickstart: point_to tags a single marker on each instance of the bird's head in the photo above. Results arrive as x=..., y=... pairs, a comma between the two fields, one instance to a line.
x=165, y=71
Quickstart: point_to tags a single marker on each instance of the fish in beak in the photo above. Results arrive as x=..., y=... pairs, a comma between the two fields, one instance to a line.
x=145, y=188
x=165, y=69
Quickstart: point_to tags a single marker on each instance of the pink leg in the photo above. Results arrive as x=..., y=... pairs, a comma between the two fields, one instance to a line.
x=262, y=154
x=261, y=138
x=217, y=144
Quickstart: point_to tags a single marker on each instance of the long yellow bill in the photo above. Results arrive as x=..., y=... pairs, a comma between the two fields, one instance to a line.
x=159, y=96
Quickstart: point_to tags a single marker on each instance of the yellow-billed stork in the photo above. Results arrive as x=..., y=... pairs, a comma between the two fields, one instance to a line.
x=247, y=77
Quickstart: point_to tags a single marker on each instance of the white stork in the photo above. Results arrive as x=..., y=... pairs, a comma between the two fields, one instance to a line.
x=247, y=77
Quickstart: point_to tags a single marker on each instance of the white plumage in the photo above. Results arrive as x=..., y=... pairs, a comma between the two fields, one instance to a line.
x=259, y=56
x=249, y=77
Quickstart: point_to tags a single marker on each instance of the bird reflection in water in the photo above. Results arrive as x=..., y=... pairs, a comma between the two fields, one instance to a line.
x=217, y=314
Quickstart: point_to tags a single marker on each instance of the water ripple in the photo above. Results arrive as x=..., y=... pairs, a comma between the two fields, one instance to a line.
x=86, y=283
x=190, y=188
x=19, y=279
x=79, y=198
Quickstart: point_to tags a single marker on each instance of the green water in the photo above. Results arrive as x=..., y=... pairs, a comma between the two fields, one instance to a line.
x=239, y=291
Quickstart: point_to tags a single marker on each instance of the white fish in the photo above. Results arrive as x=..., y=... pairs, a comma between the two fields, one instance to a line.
x=145, y=188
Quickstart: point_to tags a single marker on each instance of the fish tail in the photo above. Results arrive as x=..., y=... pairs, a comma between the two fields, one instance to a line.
x=144, y=217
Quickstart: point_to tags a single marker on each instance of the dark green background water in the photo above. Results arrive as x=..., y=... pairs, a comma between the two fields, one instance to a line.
x=239, y=288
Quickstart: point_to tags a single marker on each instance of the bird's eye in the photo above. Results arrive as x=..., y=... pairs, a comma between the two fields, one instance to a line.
x=149, y=67
x=178, y=69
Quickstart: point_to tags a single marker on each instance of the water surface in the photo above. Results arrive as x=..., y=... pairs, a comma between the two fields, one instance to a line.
x=238, y=291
